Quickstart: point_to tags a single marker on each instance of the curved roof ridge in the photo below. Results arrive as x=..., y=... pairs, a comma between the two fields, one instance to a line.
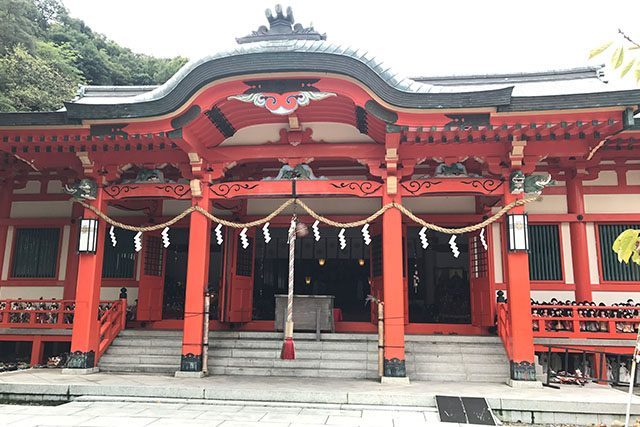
x=374, y=63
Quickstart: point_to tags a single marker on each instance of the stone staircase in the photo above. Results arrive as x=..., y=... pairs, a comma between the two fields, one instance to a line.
x=429, y=357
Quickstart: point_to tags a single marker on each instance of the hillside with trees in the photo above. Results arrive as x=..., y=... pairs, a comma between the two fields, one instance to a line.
x=45, y=54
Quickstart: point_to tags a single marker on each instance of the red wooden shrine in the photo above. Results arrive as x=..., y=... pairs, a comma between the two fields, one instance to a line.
x=230, y=131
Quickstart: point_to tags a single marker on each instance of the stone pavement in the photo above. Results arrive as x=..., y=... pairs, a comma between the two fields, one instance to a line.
x=131, y=413
x=569, y=404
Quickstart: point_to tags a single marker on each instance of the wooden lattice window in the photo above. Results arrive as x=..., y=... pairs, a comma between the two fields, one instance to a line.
x=545, y=261
x=153, y=256
x=479, y=258
x=612, y=269
x=35, y=253
x=243, y=259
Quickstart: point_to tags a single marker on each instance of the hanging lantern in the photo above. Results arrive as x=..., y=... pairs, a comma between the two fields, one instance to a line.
x=88, y=236
x=518, y=232
x=321, y=262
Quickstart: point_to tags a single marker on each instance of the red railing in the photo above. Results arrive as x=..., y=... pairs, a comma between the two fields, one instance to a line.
x=48, y=314
x=574, y=321
x=112, y=321
x=37, y=314
x=504, y=327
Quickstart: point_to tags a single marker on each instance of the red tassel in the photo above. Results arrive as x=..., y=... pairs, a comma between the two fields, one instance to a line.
x=288, y=350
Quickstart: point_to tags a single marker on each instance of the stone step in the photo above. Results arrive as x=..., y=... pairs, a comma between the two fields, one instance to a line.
x=145, y=368
x=434, y=368
x=292, y=372
x=116, y=349
x=456, y=358
x=151, y=359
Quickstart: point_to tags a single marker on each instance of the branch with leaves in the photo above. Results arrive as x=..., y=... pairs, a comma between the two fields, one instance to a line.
x=627, y=246
x=625, y=56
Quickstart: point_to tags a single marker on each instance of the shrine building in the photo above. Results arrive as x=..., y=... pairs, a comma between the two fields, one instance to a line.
x=289, y=123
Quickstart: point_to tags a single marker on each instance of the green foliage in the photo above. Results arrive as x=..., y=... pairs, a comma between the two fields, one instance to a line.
x=627, y=246
x=45, y=54
x=36, y=82
x=628, y=50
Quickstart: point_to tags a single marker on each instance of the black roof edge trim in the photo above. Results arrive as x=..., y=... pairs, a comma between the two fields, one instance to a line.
x=269, y=62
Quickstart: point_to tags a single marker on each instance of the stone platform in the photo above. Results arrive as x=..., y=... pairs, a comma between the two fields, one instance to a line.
x=570, y=404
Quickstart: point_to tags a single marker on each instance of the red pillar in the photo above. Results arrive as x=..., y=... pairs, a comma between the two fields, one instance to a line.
x=394, y=299
x=69, y=291
x=578, y=229
x=197, y=279
x=519, y=302
x=85, y=337
x=5, y=210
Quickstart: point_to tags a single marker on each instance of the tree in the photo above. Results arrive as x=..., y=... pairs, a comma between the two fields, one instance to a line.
x=625, y=56
x=53, y=52
x=37, y=82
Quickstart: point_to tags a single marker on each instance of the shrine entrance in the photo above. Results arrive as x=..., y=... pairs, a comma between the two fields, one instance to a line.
x=438, y=283
x=175, y=276
x=322, y=268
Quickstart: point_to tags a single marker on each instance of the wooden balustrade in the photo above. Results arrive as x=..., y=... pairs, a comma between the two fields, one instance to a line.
x=504, y=327
x=576, y=321
x=112, y=321
x=47, y=314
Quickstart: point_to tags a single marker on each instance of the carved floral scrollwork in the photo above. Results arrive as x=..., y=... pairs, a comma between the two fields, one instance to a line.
x=364, y=187
x=488, y=184
x=415, y=187
x=178, y=190
x=114, y=191
x=223, y=190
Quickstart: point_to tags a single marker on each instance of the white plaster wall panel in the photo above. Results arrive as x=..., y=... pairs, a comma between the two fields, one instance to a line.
x=633, y=177
x=604, y=178
x=592, y=252
x=112, y=211
x=496, y=238
x=174, y=207
x=329, y=206
x=7, y=253
x=321, y=131
x=64, y=253
x=566, y=253
x=548, y=204
x=612, y=203
x=49, y=209
x=54, y=187
x=615, y=297
x=31, y=292
x=32, y=187
x=440, y=204
x=545, y=296
x=112, y=293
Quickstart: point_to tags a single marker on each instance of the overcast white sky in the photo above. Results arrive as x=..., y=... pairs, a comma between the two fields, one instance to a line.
x=414, y=37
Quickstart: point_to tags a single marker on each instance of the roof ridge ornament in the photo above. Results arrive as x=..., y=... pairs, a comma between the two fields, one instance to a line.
x=281, y=27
